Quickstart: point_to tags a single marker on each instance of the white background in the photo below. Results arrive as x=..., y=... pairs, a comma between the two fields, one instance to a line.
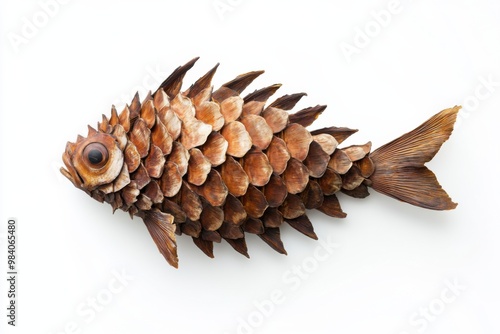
x=393, y=261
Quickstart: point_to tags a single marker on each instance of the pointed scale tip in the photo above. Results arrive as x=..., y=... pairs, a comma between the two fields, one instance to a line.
x=242, y=81
x=262, y=94
x=206, y=246
x=272, y=237
x=239, y=245
x=307, y=116
x=203, y=82
x=172, y=85
x=287, y=102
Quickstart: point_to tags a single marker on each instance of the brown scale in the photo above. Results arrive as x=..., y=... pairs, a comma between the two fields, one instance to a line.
x=213, y=165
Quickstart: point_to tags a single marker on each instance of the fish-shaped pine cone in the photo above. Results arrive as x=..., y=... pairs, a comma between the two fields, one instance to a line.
x=214, y=165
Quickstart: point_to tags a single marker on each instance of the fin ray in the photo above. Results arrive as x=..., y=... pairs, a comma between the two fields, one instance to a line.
x=162, y=229
x=399, y=164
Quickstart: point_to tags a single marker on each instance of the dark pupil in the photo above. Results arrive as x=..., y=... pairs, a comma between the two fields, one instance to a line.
x=95, y=157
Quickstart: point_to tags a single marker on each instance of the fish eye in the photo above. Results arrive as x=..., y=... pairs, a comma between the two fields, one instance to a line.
x=96, y=155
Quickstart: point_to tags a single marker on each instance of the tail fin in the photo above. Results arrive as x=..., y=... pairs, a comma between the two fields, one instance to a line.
x=399, y=165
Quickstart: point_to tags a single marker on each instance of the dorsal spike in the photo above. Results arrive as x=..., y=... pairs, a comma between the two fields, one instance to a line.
x=287, y=102
x=340, y=134
x=202, y=83
x=104, y=125
x=172, y=85
x=263, y=94
x=307, y=116
x=124, y=118
x=148, y=97
x=242, y=81
x=254, y=103
x=92, y=131
x=135, y=107
x=114, y=116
